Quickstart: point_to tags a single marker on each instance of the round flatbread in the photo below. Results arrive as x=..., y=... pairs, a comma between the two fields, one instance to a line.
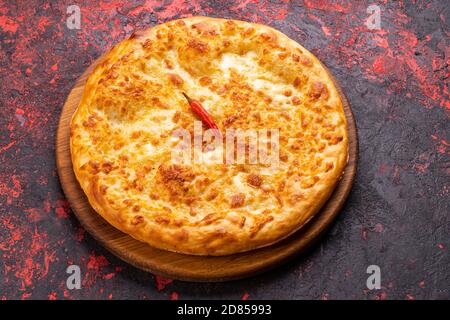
x=248, y=77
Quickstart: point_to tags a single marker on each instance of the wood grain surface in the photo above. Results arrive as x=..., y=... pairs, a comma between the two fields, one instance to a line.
x=186, y=267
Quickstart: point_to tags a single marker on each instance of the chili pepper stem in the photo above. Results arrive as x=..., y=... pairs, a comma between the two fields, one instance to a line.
x=189, y=100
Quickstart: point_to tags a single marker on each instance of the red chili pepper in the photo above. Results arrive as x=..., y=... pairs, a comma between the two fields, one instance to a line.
x=201, y=112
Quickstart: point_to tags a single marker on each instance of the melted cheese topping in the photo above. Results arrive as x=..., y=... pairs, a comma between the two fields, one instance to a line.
x=247, y=76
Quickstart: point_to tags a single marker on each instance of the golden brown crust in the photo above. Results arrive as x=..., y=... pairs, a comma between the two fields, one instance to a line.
x=247, y=76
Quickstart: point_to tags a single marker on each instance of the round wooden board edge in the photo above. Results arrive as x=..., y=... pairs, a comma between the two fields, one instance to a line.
x=286, y=249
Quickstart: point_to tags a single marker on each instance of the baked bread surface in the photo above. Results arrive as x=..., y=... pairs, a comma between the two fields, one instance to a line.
x=248, y=76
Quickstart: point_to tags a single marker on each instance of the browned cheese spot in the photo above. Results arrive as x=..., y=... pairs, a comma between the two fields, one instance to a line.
x=237, y=200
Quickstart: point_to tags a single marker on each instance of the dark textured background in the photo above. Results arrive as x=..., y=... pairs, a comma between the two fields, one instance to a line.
x=397, y=216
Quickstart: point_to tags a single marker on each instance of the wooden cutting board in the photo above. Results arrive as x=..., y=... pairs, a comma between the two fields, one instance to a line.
x=186, y=267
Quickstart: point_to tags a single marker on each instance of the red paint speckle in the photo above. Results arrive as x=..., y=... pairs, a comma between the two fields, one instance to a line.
x=95, y=269
x=378, y=64
x=96, y=262
x=66, y=294
x=421, y=167
x=62, y=208
x=47, y=204
x=162, y=282
x=34, y=214
x=363, y=233
x=245, y=296
x=109, y=276
x=43, y=23
x=37, y=257
x=410, y=297
x=26, y=295
x=326, y=30
x=12, y=189
x=79, y=236
x=9, y=24
x=383, y=168
x=61, y=213
x=378, y=228
x=52, y=296
x=174, y=296
x=381, y=296
x=327, y=6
